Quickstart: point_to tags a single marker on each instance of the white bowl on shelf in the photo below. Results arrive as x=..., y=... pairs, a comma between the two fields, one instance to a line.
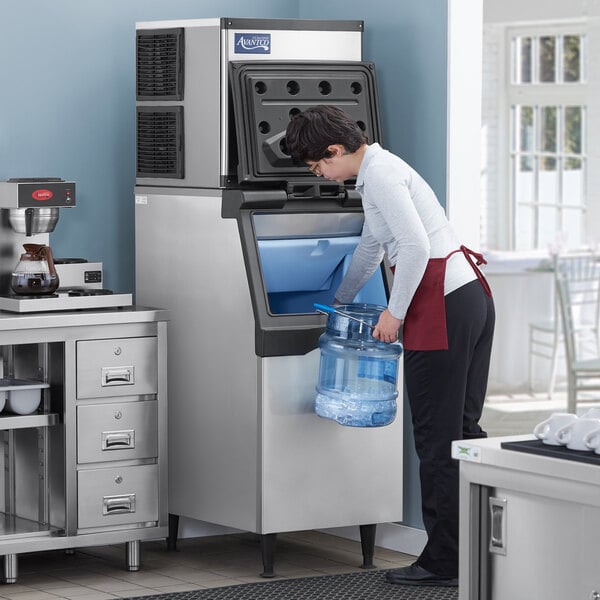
x=21, y=396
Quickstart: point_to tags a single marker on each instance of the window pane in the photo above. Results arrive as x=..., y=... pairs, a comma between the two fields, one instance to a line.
x=571, y=58
x=548, y=137
x=547, y=226
x=524, y=116
x=548, y=181
x=573, y=224
x=524, y=228
x=524, y=48
x=547, y=58
x=524, y=179
x=573, y=179
x=573, y=129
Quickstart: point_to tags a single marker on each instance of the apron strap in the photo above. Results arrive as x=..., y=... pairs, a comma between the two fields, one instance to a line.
x=479, y=260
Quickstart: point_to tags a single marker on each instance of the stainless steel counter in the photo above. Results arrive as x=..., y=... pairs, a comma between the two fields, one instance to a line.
x=486, y=455
x=78, y=318
x=88, y=467
x=529, y=524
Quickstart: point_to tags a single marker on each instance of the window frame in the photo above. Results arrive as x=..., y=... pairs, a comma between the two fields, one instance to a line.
x=539, y=94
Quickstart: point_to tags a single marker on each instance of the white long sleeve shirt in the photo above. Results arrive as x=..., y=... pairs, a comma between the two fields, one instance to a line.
x=404, y=220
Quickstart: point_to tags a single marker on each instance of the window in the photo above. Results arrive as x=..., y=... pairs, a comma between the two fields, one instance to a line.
x=547, y=123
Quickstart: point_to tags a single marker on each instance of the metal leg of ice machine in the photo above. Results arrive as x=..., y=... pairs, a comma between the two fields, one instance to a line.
x=367, y=542
x=173, y=531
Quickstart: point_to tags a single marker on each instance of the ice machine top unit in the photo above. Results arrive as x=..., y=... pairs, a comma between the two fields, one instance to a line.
x=184, y=129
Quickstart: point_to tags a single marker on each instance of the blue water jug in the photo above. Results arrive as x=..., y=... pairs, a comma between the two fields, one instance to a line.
x=358, y=374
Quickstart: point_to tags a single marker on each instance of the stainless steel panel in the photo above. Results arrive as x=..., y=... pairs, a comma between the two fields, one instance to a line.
x=545, y=543
x=74, y=274
x=62, y=301
x=201, y=110
x=117, y=367
x=117, y=431
x=299, y=225
x=299, y=44
x=314, y=472
x=117, y=496
x=212, y=365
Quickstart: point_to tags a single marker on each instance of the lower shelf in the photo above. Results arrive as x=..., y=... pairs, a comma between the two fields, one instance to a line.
x=12, y=526
x=10, y=421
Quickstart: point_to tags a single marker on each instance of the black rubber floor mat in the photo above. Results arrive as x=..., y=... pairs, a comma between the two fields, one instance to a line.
x=350, y=586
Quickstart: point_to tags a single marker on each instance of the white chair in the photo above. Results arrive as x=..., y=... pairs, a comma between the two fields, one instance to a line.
x=578, y=292
x=545, y=341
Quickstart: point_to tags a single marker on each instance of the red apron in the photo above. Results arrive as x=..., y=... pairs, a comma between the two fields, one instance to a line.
x=425, y=322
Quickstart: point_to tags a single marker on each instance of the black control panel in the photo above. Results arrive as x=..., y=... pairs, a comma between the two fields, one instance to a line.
x=41, y=193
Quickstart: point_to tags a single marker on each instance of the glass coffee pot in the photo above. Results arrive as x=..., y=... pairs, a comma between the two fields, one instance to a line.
x=35, y=273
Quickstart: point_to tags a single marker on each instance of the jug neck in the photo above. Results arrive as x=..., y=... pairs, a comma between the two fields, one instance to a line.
x=40, y=252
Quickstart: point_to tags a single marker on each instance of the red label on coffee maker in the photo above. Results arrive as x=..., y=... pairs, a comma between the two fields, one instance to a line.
x=41, y=195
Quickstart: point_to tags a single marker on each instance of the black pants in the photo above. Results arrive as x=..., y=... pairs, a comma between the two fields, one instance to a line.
x=446, y=390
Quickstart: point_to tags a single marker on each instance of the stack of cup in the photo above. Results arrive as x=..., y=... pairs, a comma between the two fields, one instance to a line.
x=576, y=433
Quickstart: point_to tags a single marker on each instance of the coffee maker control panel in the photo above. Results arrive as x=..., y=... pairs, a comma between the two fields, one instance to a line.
x=48, y=192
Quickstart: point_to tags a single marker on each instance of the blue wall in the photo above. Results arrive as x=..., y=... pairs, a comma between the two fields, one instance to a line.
x=67, y=108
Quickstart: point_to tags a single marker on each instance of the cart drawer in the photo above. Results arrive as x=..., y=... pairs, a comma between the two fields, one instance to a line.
x=117, y=431
x=117, y=496
x=117, y=367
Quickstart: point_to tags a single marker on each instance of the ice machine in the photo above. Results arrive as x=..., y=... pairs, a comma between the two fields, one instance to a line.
x=239, y=242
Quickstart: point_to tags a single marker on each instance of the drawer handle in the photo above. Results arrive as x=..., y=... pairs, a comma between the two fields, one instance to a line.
x=117, y=376
x=498, y=515
x=118, y=440
x=112, y=505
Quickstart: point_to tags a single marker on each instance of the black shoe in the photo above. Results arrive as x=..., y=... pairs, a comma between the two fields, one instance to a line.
x=417, y=575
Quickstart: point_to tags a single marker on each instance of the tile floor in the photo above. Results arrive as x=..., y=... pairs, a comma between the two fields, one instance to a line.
x=100, y=573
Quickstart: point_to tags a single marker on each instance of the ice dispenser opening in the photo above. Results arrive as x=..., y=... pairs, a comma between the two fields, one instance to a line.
x=299, y=272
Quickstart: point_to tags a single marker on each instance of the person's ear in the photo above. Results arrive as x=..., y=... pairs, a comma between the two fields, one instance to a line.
x=336, y=150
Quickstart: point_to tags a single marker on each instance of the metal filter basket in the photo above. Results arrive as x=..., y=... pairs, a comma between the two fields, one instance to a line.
x=33, y=220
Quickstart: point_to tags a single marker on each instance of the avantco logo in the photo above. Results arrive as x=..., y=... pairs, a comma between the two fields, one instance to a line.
x=41, y=195
x=252, y=43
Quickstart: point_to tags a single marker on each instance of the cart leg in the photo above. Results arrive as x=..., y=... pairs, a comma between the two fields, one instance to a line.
x=267, y=545
x=173, y=530
x=133, y=555
x=367, y=544
x=10, y=568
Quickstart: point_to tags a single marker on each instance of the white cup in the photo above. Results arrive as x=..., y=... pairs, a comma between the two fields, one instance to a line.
x=592, y=413
x=574, y=433
x=546, y=430
x=592, y=440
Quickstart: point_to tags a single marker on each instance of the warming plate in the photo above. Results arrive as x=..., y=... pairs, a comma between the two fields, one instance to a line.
x=63, y=302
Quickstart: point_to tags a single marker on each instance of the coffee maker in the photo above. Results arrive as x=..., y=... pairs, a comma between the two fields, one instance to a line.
x=29, y=211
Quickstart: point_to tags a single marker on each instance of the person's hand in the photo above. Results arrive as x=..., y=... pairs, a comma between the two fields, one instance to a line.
x=387, y=327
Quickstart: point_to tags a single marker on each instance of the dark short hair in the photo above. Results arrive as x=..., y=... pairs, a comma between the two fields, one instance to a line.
x=311, y=132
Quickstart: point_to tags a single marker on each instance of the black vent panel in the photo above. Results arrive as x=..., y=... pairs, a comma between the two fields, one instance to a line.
x=160, y=142
x=159, y=64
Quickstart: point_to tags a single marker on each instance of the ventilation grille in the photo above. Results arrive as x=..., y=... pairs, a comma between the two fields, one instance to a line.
x=160, y=142
x=159, y=64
